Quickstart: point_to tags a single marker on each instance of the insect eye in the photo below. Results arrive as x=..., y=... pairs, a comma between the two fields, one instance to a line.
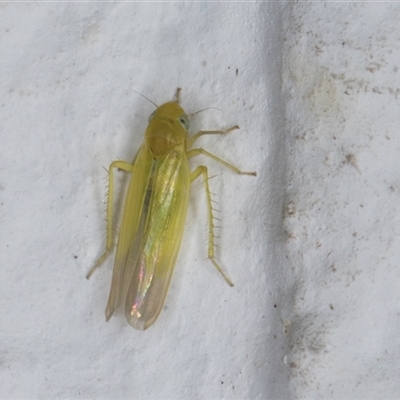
x=184, y=120
x=152, y=115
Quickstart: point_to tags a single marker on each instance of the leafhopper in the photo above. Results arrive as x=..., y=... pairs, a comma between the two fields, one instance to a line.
x=154, y=214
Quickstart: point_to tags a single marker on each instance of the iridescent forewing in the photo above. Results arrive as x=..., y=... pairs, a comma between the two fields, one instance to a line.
x=131, y=224
x=160, y=239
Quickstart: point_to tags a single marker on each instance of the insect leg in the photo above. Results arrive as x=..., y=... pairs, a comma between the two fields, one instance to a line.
x=195, y=152
x=194, y=137
x=202, y=170
x=124, y=166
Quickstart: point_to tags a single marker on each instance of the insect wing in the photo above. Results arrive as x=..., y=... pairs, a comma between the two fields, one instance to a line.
x=130, y=229
x=162, y=236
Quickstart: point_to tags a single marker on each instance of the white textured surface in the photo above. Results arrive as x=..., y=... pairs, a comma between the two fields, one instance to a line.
x=342, y=208
x=312, y=243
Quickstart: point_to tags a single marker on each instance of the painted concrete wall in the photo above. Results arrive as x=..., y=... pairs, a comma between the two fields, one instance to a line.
x=311, y=243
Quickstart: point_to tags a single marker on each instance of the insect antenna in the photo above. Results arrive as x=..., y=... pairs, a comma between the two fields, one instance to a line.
x=140, y=94
x=203, y=109
x=177, y=96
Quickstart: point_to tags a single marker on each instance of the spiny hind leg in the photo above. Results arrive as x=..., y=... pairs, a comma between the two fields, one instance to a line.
x=202, y=170
x=124, y=166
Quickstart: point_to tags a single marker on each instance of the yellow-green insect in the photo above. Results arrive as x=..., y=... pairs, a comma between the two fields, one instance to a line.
x=154, y=214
